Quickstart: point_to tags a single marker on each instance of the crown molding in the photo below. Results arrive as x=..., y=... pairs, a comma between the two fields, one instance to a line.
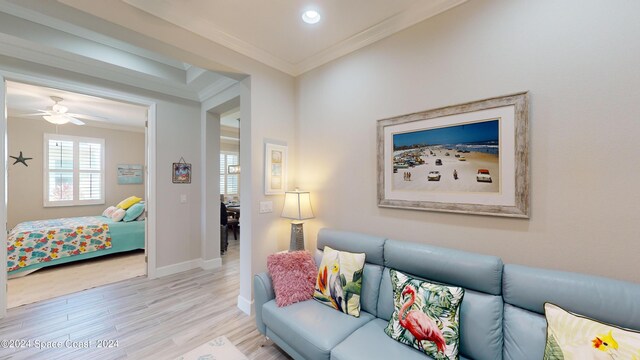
x=423, y=11
x=216, y=88
x=171, y=13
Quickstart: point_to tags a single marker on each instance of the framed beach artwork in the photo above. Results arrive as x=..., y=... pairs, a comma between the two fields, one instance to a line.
x=470, y=158
x=275, y=172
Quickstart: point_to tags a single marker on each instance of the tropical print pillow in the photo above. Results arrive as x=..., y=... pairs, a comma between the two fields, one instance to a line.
x=575, y=337
x=340, y=280
x=426, y=316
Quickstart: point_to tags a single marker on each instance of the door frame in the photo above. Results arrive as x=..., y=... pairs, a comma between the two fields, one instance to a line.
x=150, y=159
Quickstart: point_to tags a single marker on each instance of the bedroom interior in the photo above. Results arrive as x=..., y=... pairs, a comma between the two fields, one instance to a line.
x=87, y=153
x=319, y=85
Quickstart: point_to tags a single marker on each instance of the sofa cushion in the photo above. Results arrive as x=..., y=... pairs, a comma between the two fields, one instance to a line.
x=372, y=246
x=426, y=316
x=311, y=329
x=572, y=336
x=480, y=320
x=370, y=288
x=339, y=280
x=524, y=334
x=460, y=268
x=608, y=300
x=370, y=342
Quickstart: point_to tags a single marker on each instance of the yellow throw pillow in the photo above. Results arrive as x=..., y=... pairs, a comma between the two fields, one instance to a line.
x=575, y=337
x=126, y=203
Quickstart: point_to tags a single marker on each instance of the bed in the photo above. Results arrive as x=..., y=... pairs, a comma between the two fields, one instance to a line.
x=32, y=245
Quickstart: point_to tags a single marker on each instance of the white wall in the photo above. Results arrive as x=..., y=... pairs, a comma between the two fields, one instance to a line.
x=579, y=60
x=25, y=185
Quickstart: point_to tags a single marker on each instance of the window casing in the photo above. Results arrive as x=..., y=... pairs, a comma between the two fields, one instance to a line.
x=229, y=183
x=73, y=170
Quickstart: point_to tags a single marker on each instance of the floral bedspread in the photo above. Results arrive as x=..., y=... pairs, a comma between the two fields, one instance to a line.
x=33, y=242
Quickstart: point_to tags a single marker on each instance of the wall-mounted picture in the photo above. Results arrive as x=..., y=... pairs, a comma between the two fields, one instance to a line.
x=468, y=158
x=129, y=174
x=181, y=173
x=233, y=169
x=275, y=178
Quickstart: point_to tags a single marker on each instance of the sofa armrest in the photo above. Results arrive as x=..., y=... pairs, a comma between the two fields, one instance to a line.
x=263, y=293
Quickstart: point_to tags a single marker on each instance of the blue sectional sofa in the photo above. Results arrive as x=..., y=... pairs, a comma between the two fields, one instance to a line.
x=501, y=315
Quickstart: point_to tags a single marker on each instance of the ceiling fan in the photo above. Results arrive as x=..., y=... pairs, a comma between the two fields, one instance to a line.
x=59, y=115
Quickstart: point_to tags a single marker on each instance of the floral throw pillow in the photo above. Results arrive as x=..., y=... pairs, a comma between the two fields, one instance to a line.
x=575, y=337
x=340, y=280
x=426, y=316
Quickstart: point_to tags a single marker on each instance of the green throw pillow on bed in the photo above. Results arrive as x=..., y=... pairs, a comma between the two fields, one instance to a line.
x=133, y=212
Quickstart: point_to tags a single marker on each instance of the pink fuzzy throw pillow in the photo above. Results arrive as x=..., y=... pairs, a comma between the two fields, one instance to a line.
x=293, y=275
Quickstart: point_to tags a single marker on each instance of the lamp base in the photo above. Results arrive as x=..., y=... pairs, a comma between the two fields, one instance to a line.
x=297, y=237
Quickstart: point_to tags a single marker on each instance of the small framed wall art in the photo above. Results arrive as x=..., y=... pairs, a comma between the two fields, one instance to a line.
x=275, y=171
x=181, y=173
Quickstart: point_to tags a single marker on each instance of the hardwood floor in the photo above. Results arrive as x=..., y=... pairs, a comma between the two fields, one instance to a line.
x=150, y=319
x=86, y=274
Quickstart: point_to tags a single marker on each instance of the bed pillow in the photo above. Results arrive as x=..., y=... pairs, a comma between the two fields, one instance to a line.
x=340, y=280
x=109, y=211
x=426, y=316
x=293, y=275
x=572, y=336
x=126, y=203
x=142, y=216
x=133, y=212
x=118, y=215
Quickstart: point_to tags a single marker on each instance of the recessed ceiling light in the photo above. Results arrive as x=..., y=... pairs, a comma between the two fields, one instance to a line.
x=310, y=16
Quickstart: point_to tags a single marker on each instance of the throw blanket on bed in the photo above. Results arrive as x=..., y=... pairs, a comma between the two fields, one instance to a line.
x=39, y=241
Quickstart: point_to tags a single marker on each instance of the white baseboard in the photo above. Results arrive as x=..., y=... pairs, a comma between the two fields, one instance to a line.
x=244, y=305
x=211, y=263
x=178, y=268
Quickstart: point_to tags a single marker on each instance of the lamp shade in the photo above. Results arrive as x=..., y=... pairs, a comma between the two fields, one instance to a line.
x=297, y=205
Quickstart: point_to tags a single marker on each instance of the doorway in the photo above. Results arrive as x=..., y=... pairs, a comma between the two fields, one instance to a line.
x=97, y=174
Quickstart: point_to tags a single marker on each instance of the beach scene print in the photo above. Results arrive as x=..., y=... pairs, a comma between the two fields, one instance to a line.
x=459, y=158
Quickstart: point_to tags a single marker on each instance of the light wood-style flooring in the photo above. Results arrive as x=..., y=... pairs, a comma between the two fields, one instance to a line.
x=70, y=278
x=151, y=319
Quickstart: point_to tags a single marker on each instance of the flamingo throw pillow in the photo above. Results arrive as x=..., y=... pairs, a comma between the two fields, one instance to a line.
x=426, y=316
x=340, y=280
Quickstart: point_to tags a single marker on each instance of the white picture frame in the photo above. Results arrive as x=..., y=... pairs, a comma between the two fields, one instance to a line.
x=275, y=169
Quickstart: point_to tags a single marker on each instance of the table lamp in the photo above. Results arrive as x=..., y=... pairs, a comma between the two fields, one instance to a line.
x=297, y=206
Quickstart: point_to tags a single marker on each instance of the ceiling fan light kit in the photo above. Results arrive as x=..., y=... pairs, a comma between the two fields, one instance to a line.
x=56, y=119
x=58, y=113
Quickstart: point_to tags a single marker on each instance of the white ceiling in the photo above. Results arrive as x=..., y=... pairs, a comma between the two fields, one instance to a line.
x=28, y=99
x=272, y=31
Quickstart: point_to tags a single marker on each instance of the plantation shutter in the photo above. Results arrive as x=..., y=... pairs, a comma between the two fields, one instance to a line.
x=90, y=171
x=60, y=165
x=232, y=179
x=223, y=173
x=74, y=170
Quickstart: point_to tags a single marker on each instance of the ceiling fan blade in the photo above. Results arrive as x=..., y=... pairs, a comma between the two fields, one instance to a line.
x=36, y=114
x=87, y=117
x=74, y=120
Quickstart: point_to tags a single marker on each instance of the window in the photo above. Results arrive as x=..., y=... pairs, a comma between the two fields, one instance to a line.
x=74, y=170
x=228, y=182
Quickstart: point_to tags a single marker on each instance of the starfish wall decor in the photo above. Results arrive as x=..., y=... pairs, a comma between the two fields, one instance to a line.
x=20, y=159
